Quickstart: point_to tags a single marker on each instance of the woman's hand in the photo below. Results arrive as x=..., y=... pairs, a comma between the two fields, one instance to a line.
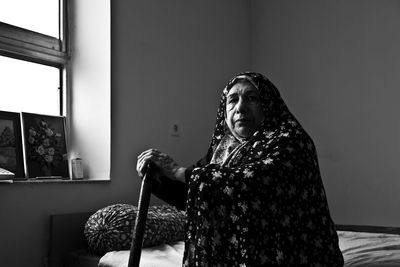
x=164, y=163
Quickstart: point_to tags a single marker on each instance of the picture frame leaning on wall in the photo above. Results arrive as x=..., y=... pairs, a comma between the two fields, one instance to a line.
x=11, y=153
x=45, y=146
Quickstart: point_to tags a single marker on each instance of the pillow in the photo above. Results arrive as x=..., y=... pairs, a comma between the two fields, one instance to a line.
x=110, y=228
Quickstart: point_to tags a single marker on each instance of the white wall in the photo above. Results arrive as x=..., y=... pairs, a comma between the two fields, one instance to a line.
x=337, y=66
x=89, y=111
x=163, y=52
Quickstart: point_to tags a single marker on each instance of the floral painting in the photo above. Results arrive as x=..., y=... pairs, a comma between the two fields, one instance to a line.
x=45, y=146
x=11, y=157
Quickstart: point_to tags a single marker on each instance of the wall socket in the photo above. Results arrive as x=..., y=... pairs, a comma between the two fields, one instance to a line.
x=174, y=129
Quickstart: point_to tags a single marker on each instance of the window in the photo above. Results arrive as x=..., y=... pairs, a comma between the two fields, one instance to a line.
x=27, y=86
x=33, y=56
x=39, y=16
x=26, y=49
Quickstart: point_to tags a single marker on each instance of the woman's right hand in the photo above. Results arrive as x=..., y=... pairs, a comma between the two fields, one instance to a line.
x=142, y=163
x=163, y=162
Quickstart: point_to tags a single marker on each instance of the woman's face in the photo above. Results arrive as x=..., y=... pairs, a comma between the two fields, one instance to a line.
x=244, y=112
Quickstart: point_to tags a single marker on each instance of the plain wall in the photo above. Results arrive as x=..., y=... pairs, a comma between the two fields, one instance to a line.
x=337, y=66
x=170, y=64
x=169, y=61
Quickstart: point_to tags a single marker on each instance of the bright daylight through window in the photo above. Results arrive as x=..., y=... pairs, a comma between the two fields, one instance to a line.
x=32, y=56
x=27, y=86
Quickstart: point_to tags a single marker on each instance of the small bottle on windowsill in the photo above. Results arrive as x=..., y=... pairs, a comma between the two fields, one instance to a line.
x=77, y=169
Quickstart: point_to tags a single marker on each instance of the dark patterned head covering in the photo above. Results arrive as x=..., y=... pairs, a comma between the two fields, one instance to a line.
x=274, y=108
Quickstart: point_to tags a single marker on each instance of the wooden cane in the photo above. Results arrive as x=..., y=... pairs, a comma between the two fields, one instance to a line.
x=140, y=222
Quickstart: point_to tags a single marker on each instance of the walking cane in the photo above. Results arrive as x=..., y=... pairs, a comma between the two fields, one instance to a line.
x=140, y=222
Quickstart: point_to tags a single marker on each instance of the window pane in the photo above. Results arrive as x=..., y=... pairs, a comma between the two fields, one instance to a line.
x=39, y=16
x=29, y=87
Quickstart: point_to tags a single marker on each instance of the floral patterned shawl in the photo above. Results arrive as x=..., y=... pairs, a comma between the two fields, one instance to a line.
x=266, y=204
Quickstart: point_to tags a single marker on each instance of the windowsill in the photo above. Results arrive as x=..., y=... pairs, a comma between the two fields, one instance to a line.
x=49, y=181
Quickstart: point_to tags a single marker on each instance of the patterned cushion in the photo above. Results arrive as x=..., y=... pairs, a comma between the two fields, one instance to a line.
x=110, y=228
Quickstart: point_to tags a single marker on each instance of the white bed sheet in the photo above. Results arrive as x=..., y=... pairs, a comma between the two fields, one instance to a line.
x=369, y=249
x=358, y=249
x=159, y=256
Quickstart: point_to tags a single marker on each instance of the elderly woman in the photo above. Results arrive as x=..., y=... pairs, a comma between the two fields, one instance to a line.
x=257, y=198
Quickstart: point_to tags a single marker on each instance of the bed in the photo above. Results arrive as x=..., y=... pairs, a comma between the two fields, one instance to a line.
x=367, y=246
x=358, y=248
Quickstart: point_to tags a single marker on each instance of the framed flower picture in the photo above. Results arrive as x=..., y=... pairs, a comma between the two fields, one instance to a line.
x=11, y=156
x=45, y=146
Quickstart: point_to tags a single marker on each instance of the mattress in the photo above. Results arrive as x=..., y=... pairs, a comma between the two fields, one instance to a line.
x=369, y=249
x=159, y=256
x=359, y=250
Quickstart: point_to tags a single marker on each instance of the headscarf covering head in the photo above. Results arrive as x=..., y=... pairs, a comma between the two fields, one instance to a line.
x=274, y=108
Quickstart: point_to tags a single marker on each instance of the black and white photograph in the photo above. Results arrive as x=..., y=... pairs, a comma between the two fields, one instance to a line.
x=200, y=133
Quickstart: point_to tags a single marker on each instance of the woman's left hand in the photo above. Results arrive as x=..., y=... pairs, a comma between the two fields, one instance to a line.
x=164, y=162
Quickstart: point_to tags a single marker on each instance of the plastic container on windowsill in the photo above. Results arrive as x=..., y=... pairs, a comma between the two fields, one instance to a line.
x=77, y=169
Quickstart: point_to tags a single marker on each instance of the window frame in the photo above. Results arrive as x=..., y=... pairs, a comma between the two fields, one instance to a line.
x=31, y=46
